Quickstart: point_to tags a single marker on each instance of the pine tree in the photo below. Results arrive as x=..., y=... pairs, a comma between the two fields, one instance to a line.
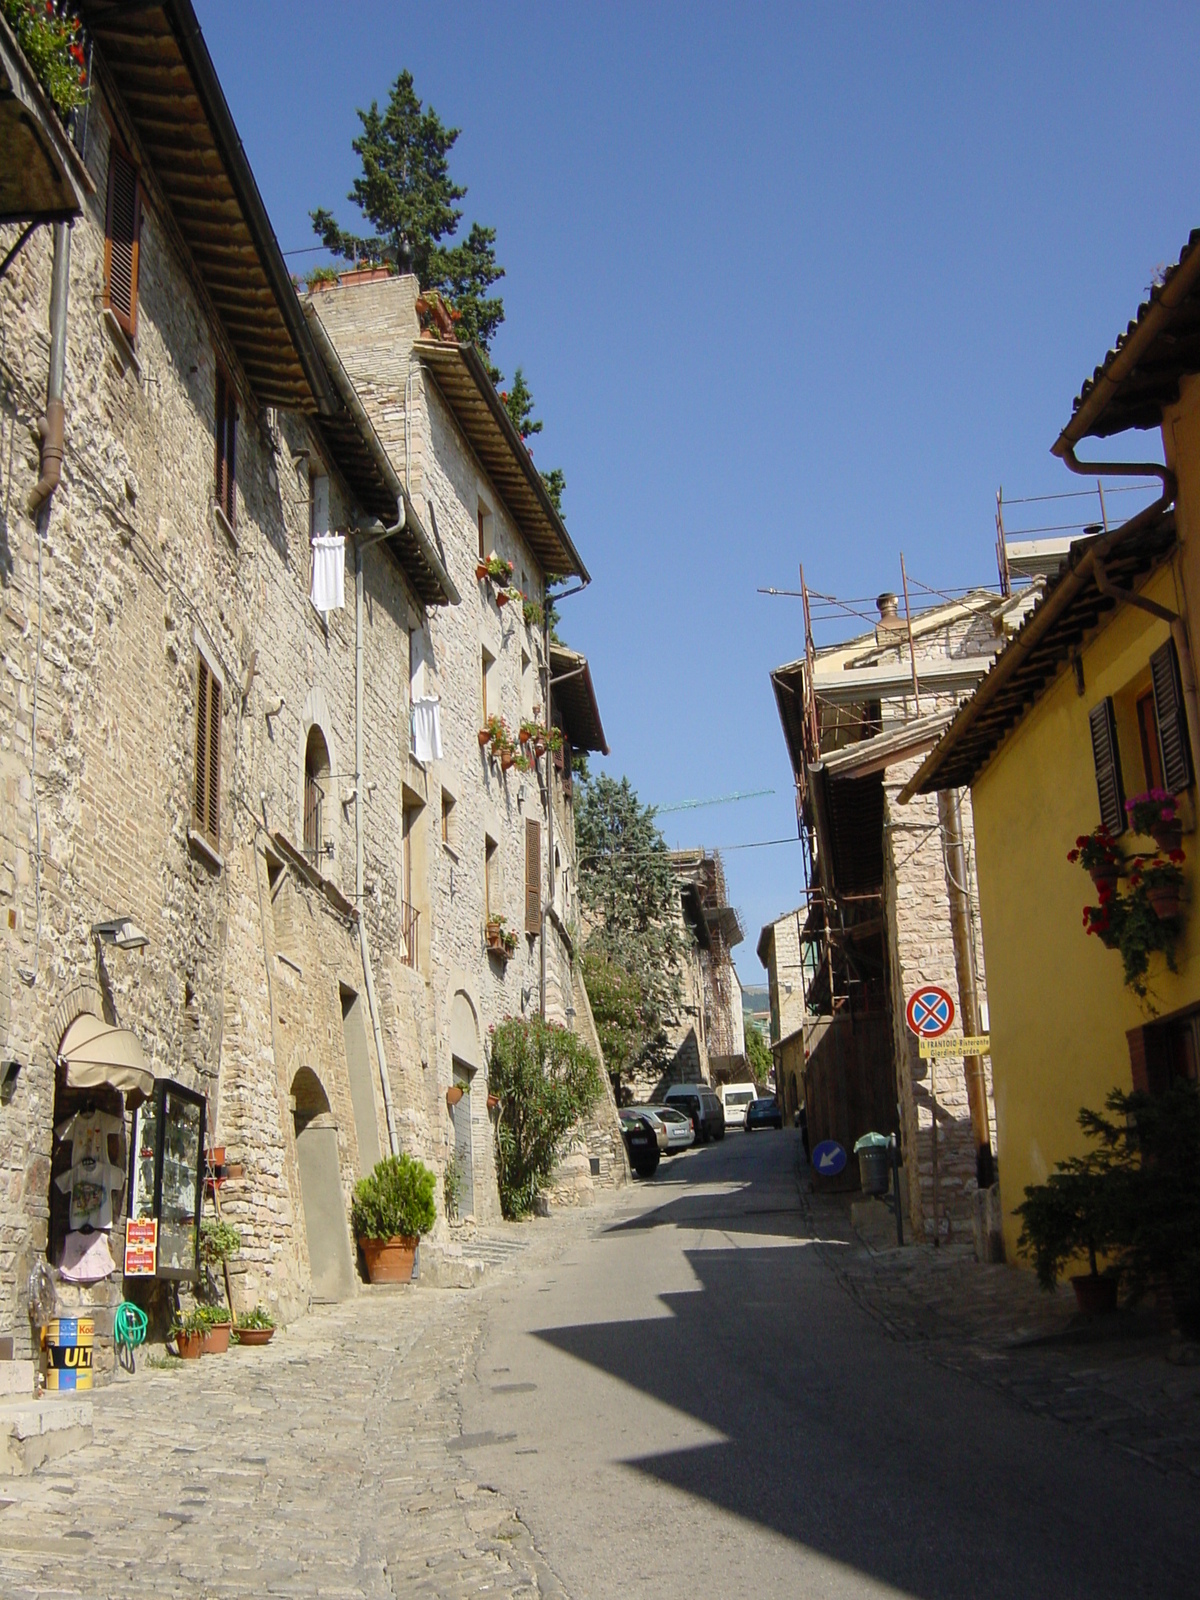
x=406, y=194
x=518, y=402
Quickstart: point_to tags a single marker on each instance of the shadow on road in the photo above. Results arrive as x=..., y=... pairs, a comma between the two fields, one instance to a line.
x=847, y=1443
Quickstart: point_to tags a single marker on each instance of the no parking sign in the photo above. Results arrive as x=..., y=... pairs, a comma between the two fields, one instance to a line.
x=930, y=1011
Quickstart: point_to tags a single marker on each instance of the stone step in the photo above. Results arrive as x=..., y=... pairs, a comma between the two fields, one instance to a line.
x=33, y=1432
x=16, y=1380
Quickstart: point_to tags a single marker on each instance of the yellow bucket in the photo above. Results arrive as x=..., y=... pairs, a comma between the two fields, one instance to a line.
x=67, y=1349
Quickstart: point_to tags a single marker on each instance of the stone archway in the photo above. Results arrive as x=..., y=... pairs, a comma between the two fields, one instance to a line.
x=329, y=1253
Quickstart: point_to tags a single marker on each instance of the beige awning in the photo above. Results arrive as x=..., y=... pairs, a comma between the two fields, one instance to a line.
x=96, y=1053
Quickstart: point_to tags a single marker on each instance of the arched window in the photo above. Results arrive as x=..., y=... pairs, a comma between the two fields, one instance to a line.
x=316, y=776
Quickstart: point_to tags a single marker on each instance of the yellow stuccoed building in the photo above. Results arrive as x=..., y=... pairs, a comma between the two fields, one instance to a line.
x=1092, y=703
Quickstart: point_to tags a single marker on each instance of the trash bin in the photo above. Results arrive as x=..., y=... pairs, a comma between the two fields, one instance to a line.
x=874, y=1161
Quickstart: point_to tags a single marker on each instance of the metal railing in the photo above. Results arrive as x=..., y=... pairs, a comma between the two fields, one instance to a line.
x=410, y=919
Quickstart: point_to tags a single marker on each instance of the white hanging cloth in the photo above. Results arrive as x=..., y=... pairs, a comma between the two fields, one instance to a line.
x=329, y=572
x=426, y=730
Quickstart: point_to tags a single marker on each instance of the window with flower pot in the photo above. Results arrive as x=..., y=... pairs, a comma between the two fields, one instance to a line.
x=225, y=471
x=492, y=902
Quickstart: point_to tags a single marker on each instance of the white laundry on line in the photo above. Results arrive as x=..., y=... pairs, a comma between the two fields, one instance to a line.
x=329, y=572
x=426, y=730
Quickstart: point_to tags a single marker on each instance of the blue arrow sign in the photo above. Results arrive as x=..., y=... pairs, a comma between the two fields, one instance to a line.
x=828, y=1158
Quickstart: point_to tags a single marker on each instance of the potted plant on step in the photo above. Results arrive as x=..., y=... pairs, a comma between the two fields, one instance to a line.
x=1155, y=815
x=217, y=1324
x=255, y=1327
x=1074, y=1213
x=392, y=1207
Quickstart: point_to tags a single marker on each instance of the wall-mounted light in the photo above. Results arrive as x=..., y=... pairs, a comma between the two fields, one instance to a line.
x=121, y=931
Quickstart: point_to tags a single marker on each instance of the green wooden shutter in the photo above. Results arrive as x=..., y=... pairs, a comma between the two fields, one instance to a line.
x=1172, y=720
x=1107, y=758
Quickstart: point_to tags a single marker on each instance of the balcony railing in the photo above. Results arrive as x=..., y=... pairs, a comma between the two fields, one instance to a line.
x=410, y=919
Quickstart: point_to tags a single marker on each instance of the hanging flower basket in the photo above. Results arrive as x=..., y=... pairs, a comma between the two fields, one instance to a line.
x=454, y=1094
x=481, y=571
x=485, y=737
x=493, y=1101
x=1166, y=901
x=507, y=757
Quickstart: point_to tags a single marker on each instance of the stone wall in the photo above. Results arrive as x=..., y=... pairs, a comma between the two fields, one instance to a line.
x=921, y=950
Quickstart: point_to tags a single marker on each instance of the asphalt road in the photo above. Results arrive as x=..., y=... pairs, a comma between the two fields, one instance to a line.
x=686, y=1403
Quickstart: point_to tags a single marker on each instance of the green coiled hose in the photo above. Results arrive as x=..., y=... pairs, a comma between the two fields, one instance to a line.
x=129, y=1331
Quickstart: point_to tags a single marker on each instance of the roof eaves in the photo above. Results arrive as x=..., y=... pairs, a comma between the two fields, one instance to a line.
x=1153, y=318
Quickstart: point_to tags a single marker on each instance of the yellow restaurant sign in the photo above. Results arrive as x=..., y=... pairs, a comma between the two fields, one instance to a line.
x=979, y=1044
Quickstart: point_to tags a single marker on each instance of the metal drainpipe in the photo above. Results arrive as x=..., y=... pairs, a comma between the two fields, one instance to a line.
x=549, y=802
x=51, y=426
x=1180, y=629
x=950, y=817
x=368, y=974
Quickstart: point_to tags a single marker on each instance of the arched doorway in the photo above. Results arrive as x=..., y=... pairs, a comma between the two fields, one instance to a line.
x=316, y=784
x=465, y=1062
x=321, y=1189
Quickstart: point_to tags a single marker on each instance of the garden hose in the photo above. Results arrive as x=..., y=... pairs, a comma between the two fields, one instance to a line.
x=129, y=1331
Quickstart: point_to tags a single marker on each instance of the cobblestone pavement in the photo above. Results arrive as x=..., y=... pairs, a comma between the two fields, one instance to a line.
x=329, y=1463
x=1121, y=1380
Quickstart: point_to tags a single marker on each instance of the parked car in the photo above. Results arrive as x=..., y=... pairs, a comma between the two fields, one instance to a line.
x=701, y=1104
x=680, y=1132
x=641, y=1142
x=763, y=1113
x=656, y=1122
x=735, y=1097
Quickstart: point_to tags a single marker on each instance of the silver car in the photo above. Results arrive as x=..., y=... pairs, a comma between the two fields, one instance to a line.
x=680, y=1131
x=630, y=1114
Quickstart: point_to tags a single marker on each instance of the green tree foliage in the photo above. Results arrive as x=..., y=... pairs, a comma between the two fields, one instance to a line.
x=518, y=402
x=629, y=894
x=406, y=194
x=615, y=997
x=758, y=1053
x=394, y=1200
x=546, y=1079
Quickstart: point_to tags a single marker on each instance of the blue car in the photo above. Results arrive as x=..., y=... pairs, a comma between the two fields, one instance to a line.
x=763, y=1113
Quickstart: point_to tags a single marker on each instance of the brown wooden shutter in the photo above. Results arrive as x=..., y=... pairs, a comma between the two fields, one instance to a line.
x=121, y=229
x=1172, y=719
x=206, y=804
x=1107, y=757
x=533, y=876
x=226, y=449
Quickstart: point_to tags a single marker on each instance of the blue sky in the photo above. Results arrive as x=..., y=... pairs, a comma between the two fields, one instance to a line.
x=788, y=283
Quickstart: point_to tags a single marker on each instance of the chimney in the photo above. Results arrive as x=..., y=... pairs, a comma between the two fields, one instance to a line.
x=890, y=621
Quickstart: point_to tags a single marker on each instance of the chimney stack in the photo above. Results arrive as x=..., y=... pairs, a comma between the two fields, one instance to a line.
x=890, y=621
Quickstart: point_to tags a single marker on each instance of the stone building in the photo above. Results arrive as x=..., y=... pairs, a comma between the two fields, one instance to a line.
x=857, y=717
x=781, y=947
x=247, y=845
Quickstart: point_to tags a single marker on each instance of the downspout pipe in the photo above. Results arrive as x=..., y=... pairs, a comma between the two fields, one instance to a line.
x=51, y=427
x=1180, y=632
x=360, y=544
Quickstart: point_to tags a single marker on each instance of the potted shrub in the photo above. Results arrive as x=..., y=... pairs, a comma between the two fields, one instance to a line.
x=1162, y=881
x=217, y=1324
x=1072, y=1214
x=392, y=1207
x=255, y=1327
x=1130, y=924
x=218, y=1241
x=1155, y=815
x=188, y=1333
x=1097, y=854
x=496, y=569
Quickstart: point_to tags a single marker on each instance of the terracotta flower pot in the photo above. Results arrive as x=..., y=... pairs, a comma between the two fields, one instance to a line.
x=1165, y=901
x=502, y=599
x=390, y=1260
x=216, y=1341
x=1168, y=836
x=539, y=748
x=454, y=1094
x=485, y=737
x=255, y=1335
x=507, y=757
x=493, y=1100
x=1095, y=1294
x=481, y=570
x=1105, y=876
x=190, y=1346
x=524, y=736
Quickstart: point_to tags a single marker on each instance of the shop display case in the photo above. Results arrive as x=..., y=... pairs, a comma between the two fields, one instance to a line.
x=167, y=1174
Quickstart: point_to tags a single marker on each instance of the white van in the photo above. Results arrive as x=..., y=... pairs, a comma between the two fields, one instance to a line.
x=735, y=1097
